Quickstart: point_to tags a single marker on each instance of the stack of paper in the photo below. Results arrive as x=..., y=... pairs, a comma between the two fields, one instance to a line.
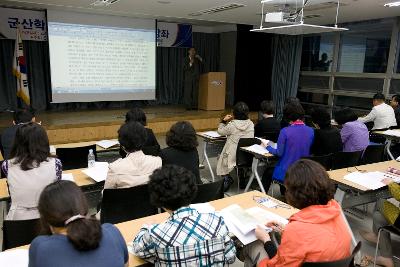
x=14, y=258
x=370, y=180
x=52, y=150
x=107, y=143
x=68, y=177
x=242, y=222
x=258, y=149
x=212, y=134
x=392, y=133
x=98, y=172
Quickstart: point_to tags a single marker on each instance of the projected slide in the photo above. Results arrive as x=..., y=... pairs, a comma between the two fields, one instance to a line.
x=101, y=63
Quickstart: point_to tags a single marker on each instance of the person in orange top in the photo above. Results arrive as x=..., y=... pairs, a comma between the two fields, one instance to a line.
x=317, y=233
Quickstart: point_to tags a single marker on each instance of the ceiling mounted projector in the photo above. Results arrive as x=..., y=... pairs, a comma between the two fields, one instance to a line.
x=290, y=17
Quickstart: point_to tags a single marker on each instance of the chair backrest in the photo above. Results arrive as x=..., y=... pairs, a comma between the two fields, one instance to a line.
x=75, y=157
x=19, y=233
x=347, y=262
x=271, y=136
x=209, y=192
x=244, y=159
x=373, y=154
x=345, y=159
x=325, y=160
x=205, y=253
x=125, y=204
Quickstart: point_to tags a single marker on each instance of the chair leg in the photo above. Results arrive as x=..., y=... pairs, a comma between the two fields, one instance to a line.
x=238, y=179
x=272, y=188
x=377, y=246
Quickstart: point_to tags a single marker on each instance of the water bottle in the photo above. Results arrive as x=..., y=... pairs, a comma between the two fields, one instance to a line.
x=91, y=159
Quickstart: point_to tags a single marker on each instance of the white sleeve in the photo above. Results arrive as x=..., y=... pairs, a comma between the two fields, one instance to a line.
x=370, y=117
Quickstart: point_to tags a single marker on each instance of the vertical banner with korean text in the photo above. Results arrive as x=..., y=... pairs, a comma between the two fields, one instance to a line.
x=174, y=35
x=32, y=24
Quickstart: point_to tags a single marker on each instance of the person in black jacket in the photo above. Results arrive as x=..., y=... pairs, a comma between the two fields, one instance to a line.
x=395, y=103
x=268, y=126
x=327, y=138
x=20, y=117
x=151, y=147
x=182, y=148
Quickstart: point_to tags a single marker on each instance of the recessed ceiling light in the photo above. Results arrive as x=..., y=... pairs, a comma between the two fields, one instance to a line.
x=393, y=4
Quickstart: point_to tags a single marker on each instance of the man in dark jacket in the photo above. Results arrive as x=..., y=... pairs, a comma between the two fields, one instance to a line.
x=191, y=75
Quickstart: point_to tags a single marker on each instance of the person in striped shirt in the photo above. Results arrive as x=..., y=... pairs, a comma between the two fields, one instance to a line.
x=187, y=237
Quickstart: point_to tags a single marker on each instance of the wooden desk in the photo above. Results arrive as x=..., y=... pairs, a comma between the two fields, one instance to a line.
x=80, y=179
x=362, y=195
x=89, y=143
x=212, y=147
x=131, y=228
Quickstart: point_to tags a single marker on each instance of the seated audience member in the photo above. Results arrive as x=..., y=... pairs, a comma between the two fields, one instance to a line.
x=294, y=143
x=327, y=138
x=268, y=125
x=151, y=147
x=29, y=170
x=386, y=213
x=355, y=135
x=187, y=237
x=381, y=114
x=395, y=104
x=73, y=237
x=290, y=99
x=182, y=148
x=136, y=167
x=20, y=117
x=317, y=233
x=234, y=126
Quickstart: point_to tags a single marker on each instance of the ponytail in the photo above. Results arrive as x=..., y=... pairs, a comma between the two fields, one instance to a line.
x=84, y=233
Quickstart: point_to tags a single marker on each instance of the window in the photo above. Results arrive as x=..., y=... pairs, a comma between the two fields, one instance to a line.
x=358, y=84
x=313, y=98
x=365, y=47
x=394, y=87
x=317, y=52
x=314, y=82
x=353, y=102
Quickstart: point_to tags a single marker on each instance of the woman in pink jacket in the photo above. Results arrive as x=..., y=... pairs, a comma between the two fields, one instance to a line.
x=317, y=233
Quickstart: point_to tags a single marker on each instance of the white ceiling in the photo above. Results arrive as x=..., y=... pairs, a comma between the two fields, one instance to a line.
x=179, y=10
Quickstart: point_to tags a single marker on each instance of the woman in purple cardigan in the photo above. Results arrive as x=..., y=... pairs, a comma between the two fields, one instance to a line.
x=294, y=143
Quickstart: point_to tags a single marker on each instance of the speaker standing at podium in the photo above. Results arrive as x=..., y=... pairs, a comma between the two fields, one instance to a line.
x=191, y=76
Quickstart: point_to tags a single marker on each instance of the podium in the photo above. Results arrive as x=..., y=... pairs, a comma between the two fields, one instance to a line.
x=212, y=88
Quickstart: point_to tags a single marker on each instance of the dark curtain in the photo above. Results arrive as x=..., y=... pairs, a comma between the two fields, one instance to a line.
x=169, y=75
x=286, y=51
x=253, y=67
x=8, y=85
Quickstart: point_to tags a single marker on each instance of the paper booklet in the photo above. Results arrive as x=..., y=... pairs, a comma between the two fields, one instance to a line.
x=98, y=172
x=107, y=143
x=258, y=149
x=242, y=223
x=370, y=180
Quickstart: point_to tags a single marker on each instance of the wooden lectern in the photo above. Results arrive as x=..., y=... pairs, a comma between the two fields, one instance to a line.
x=212, y=88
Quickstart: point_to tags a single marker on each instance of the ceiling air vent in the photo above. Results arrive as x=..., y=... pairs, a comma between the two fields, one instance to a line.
x=104, y=2
x=322, y=6
x=217, y=9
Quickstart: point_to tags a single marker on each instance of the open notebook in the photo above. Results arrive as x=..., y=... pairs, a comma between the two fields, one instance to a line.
x=242, y=223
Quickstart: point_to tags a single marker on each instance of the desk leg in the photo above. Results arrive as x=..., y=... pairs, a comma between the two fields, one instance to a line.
x=357, y=257
x=388, y=144
x=254, y=173
x=339, y=196
x=207, y=160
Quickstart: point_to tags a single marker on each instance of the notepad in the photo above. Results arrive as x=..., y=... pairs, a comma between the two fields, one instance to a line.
x=107, y=143
x=213, y=134
x=98, y=172
x=370, y=180
x=14, y=258
x=68, y=177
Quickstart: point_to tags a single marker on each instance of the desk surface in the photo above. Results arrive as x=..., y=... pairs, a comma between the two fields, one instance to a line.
x=89, y=143
x=80, y=179
x=388, y=135
x=338, y=175
x=131, y=228
x=209, y=138
x=265, y=155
